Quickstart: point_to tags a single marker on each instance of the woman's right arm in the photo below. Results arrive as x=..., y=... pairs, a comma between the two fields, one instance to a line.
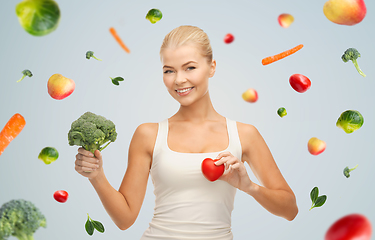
x=123, y=206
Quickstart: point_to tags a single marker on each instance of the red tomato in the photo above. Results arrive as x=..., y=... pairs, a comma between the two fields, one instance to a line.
x=350, y=227
x=300, y=83
x=60, y=196
x=228, y=38
x=210, y=170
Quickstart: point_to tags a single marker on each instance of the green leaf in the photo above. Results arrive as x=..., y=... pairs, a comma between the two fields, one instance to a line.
x=314, y=194
x=98, y=226
x=115, y=82
x=89, y=227
x=118, y=79
x=320, y=201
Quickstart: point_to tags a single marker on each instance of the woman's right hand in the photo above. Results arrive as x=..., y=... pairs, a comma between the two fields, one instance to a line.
x=87, y=164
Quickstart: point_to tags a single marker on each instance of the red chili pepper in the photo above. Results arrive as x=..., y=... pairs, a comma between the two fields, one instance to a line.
x=61, y=196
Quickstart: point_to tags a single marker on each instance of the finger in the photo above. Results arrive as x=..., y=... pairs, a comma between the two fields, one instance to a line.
x=86, y=159
x=81, y=169
x=221, y=161
x=84, y=152
x=223, y=154
x=87, y=164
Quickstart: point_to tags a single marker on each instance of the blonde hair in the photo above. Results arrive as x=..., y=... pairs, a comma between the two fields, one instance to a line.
x=188, y=34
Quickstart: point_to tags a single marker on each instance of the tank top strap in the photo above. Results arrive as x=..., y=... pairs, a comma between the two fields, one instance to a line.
x=235, y=143
x=160, y=138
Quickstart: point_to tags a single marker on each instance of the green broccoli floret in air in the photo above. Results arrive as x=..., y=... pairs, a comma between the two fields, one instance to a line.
x=91, y=131
x=20, y=218
x=352, y=54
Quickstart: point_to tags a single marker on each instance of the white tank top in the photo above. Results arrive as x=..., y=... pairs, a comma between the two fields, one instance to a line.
x=187, y=205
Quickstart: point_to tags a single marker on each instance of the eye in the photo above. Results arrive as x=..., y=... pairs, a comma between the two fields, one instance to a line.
x=191, y=68
x=167, y=71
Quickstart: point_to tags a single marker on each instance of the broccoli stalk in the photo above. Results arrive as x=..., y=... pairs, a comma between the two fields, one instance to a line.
x=347, y=171
x=90, y=54
x=20, y=218
x=25, y=73
x=92, y=131
x=352, y=54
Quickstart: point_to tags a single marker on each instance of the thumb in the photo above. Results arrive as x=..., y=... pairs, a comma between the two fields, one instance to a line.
x=98, y=154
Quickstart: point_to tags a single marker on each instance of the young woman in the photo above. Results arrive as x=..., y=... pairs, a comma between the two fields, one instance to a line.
x=187, y=205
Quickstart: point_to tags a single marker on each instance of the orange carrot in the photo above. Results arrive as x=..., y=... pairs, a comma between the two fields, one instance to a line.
x=118, y=39
x=11, y=130
x=282, y=55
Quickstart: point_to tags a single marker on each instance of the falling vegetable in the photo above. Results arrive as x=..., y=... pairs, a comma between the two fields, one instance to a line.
x=352, y=54
x=48, y=155
x=38, y=17
x=300, y=82
x=116, y=80
x=347, y=171
x=281, y=111
x=61, y=196
x=350, y=227
x=118, y=39
x=282, y=55
x=25, y=73
x=317, y=201
x=90, y=225
x=11, y=130
x=228, y=38
x=350, y=121
x=21, y=219
x=90, y=54
x=154, y=15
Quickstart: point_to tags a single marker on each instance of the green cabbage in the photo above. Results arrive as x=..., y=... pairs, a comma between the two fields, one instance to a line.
x=350, y=121
x=38, y=17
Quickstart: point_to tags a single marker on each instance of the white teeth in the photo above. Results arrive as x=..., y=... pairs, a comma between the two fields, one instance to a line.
x=184, y=90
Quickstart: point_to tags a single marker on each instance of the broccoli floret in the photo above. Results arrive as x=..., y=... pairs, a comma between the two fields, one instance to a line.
x=91, y=131
x=20, y=218
x=90, y=54
x=352, y=54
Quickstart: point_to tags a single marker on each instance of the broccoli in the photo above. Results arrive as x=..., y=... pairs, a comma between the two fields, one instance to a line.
x=347, y=171
x=91, y=131
x=90, y=54
x=25, y=73
x=20, y=218
x=352, y=54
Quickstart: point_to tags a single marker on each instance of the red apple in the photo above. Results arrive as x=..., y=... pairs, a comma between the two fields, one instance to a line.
x=285, y=20
x=316, y=146
x=60, y=87
x=250, y=95
x=345, y=12
x=228, y=38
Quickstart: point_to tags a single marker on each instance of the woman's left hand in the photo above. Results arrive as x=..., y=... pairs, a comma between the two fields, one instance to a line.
x=235, y=171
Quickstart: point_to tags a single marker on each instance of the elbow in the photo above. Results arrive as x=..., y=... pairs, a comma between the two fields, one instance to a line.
x=293, y=214
x=126, y=224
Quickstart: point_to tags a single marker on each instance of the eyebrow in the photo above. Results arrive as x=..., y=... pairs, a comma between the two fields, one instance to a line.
x=182, y=64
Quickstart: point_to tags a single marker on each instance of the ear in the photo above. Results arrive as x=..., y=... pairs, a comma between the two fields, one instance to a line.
x=212, y=68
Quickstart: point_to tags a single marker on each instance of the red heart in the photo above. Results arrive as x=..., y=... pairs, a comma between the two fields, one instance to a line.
x=210, y=170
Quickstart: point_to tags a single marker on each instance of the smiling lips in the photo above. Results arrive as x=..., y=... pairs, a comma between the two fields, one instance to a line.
x=184, y=91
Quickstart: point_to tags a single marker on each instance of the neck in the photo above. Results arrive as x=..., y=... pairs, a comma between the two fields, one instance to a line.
x=200, y=111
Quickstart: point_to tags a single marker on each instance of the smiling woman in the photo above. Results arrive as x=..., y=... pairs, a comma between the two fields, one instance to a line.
x=187, y=205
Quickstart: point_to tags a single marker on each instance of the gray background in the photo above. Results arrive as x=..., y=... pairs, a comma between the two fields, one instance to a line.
x=142, y=97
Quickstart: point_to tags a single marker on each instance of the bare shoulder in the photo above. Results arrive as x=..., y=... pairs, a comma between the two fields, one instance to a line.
x=146, y=134
x=247, y=133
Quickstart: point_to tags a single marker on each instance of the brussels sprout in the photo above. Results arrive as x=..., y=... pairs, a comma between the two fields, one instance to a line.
x=154, y=15
x=282, y=112
x=38, y=17
x=48, y=155
x=350, y=121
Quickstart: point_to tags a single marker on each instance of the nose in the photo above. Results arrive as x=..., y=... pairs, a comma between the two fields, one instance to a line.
x=180, y=79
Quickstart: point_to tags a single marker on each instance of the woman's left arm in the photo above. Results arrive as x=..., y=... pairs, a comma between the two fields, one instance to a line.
x=275, y=195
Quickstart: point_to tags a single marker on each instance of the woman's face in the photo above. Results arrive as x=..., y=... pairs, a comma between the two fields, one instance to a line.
x=184, y=68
